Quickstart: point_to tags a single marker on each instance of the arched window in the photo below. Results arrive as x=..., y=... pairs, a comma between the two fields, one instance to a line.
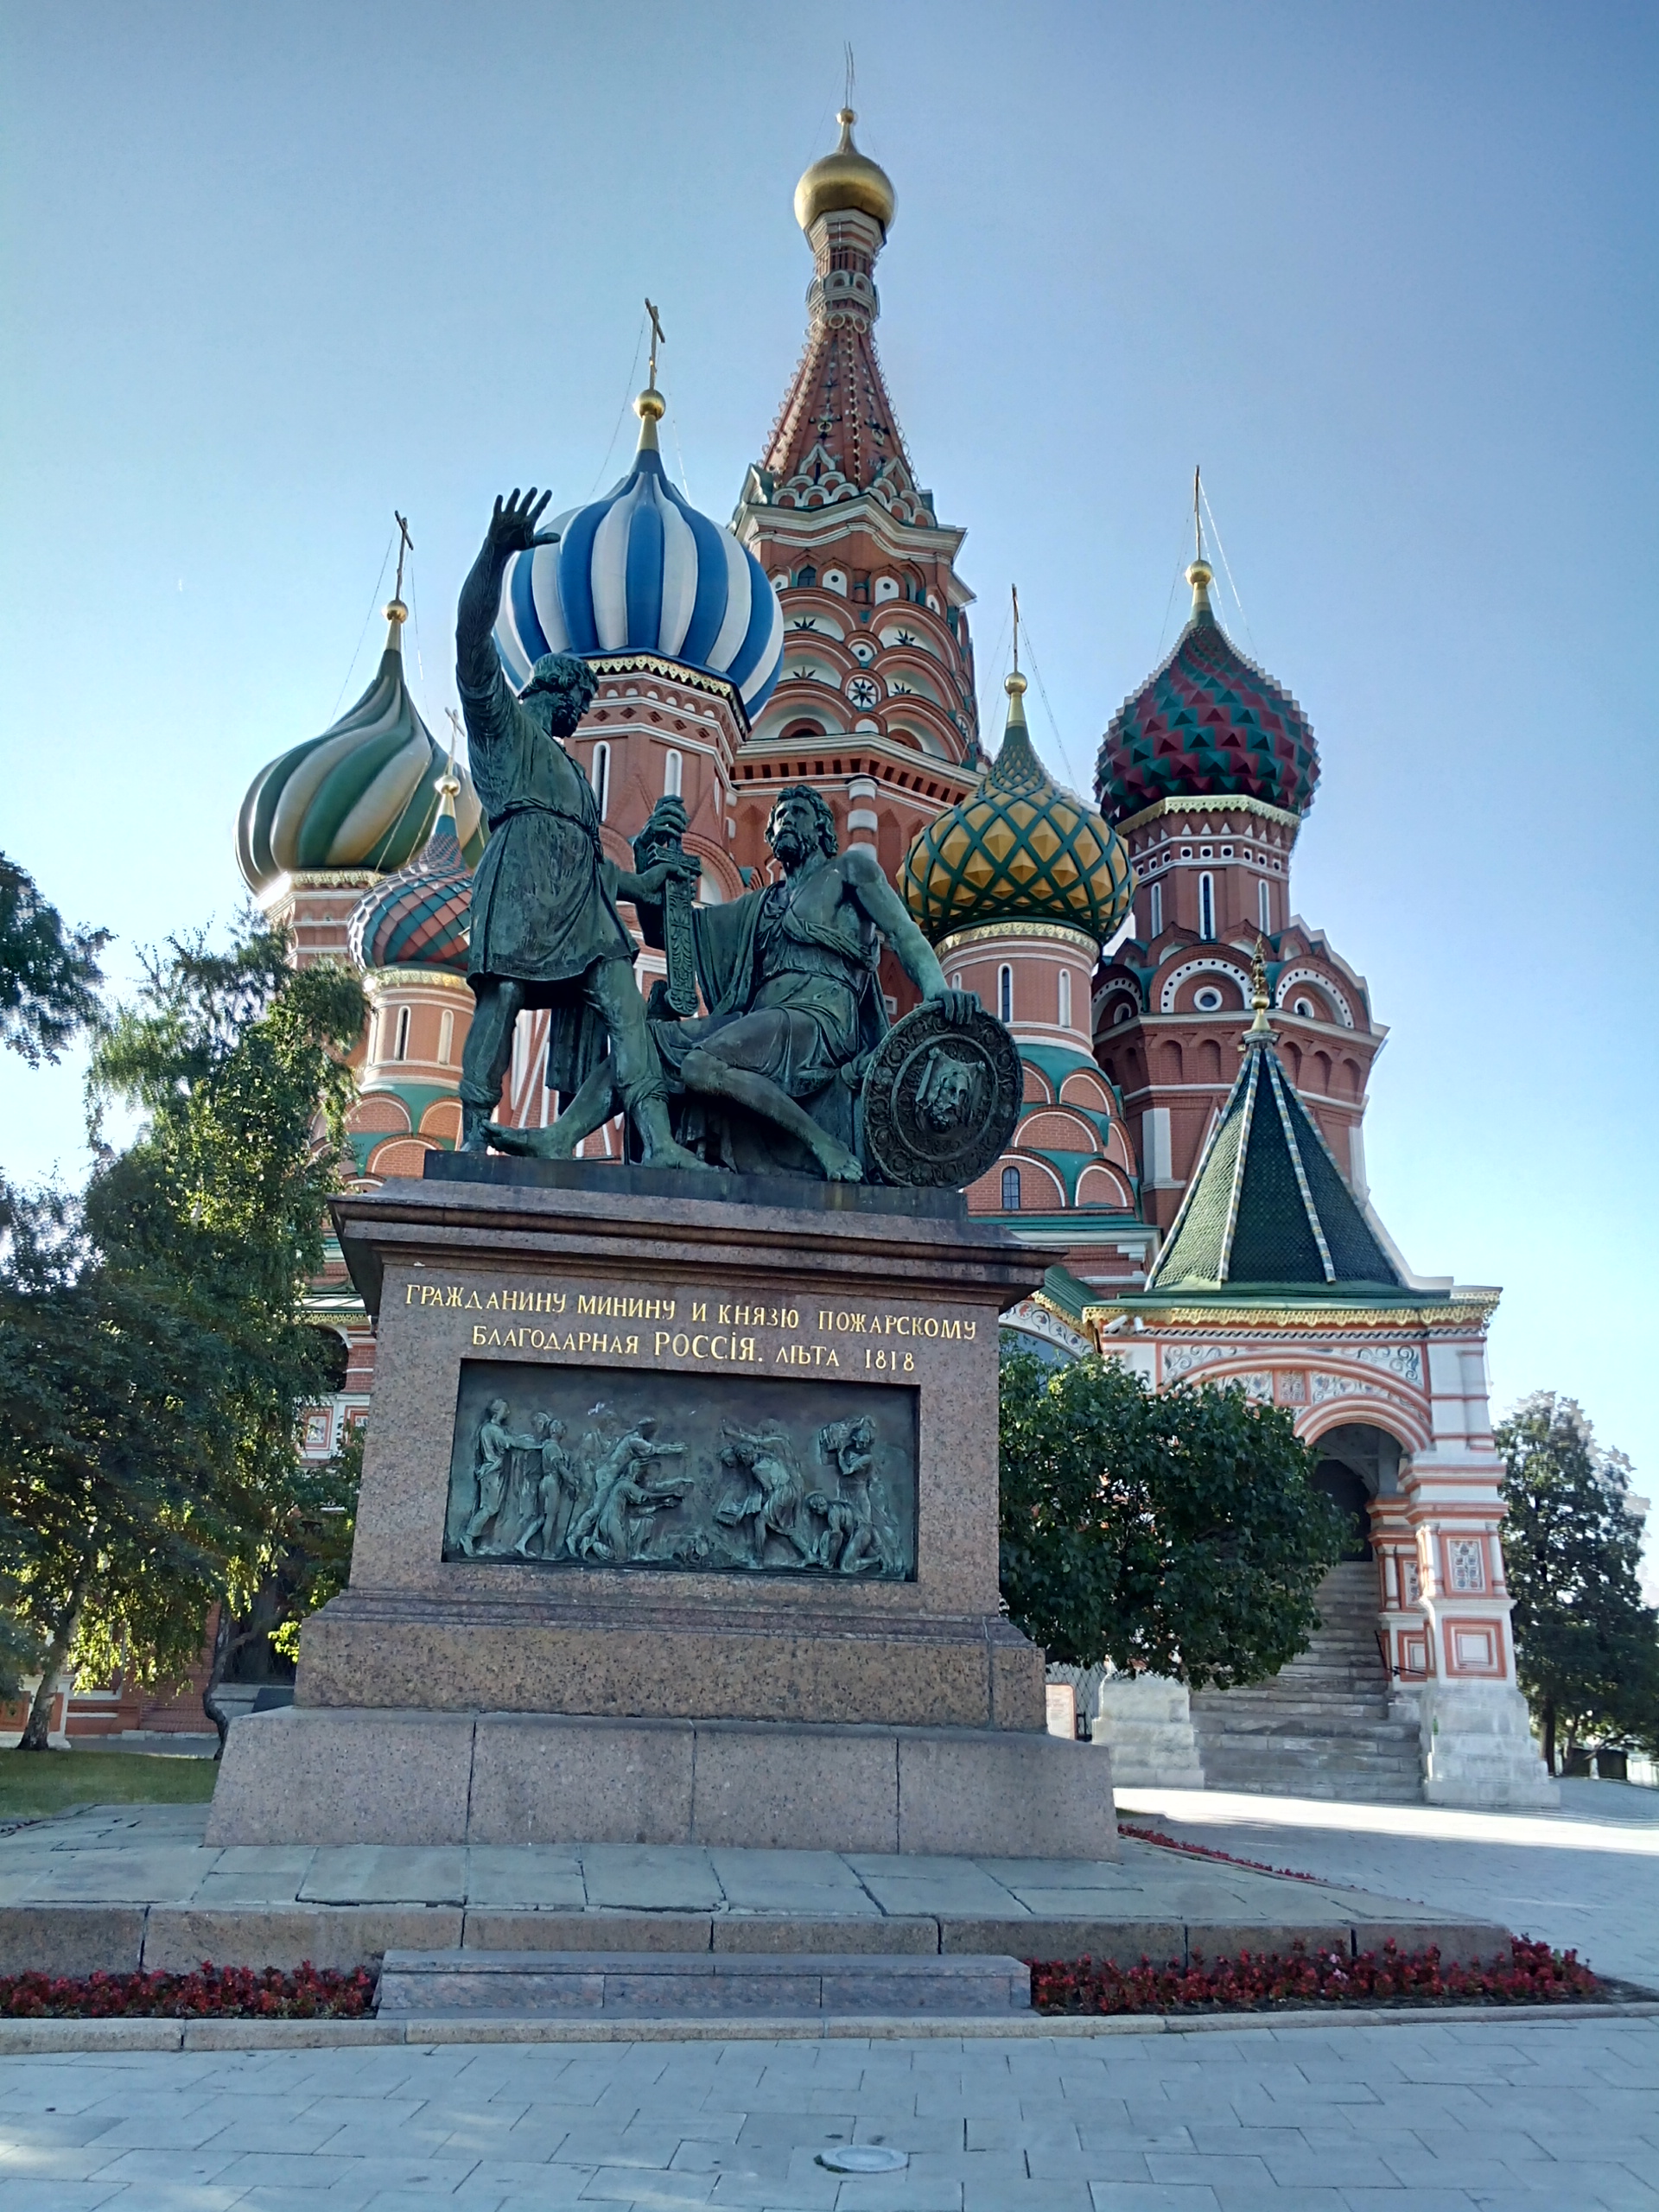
x=446, y=1038
x=807, y=576
x=602, y=777
x=1066, y=998
x=1155, y=927
x=400, y=1046
x=1010, y=1184
x=1264, y=905
x=1207, y=905
x=673, y=769
x=1005, y=993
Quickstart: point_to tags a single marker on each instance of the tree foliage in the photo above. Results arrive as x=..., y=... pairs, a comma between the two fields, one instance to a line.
x=49, y=976
x=153, y=1357
x=1177, y=1531
x=1587, y=1646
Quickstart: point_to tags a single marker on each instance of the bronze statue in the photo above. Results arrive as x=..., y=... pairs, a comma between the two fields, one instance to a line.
x=545, y=929
x=789, y=975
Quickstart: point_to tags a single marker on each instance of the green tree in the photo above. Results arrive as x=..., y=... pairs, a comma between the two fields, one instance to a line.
x=154, y=1361
x=1586, y=1647
x=49, y=984
x=1178, y=1531
x=49, y=976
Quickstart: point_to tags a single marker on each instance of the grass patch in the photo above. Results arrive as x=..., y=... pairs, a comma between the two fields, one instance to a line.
x=35, y=1783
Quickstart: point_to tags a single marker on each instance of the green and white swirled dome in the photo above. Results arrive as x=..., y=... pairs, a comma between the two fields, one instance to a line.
x=362, y=796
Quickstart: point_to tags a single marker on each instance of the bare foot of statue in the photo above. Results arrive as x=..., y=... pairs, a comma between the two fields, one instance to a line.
x=666, y=1154
x=532, y=1144
x=839, y=1165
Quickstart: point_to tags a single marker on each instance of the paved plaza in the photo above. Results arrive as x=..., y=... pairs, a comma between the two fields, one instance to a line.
x=1420, y=2115
x=118, y=1886
x=1583, y=1878
x=1431, y=2117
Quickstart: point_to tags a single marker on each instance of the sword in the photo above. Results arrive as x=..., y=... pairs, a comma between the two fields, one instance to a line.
x=655, y=843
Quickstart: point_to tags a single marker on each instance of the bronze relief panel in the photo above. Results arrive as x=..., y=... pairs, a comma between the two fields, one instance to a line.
x=563, y=1466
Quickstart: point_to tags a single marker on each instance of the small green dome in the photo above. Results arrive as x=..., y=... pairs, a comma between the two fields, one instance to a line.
x=364, y=795
x=1018, y=849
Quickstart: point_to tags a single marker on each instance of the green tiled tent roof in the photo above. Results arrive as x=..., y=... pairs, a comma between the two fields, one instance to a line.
x=1268, y=1203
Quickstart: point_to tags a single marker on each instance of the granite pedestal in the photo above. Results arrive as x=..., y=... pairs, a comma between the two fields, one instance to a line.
x=655, y=1690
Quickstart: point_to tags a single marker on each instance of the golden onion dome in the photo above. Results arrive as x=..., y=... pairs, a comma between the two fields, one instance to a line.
x=845, y=179
x=1017, y=848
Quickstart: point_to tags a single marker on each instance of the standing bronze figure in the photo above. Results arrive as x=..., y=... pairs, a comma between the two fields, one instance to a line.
x=545, y=929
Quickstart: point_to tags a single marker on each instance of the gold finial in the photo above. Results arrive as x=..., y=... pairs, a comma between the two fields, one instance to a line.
x=1261, y=1029
x=845, y=179
x=1199, y=573
x=397, y=612
x=1014, y=683
x=651, y=406
x=450, y=782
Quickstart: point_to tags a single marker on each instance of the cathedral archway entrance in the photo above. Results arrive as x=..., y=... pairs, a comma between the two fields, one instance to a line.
x=1357, y=1463
x=1323, y=1726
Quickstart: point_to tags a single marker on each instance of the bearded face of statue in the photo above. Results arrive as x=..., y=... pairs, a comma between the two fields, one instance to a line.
x=559, y=693
x=800, y=824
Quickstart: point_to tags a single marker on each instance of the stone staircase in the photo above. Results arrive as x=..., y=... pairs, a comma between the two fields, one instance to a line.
x=1321, y=1727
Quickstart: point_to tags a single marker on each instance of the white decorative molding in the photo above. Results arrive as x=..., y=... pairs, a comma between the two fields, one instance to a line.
x=1293, y=975
x=1034, y=1320
x=1344, y=1385
x=1205, y=967
x=1181, y=1359
x=1404, y=1360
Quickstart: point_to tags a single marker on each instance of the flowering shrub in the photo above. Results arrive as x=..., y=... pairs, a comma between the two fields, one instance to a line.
x=210, y=1993
x=1208, y=1851
x=1532, y=1975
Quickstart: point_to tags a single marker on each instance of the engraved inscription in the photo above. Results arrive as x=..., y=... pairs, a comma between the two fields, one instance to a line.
x=583, y=1466
x=728, y=1332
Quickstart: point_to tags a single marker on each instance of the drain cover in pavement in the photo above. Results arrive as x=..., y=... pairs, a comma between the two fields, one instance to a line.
x=864, y=2158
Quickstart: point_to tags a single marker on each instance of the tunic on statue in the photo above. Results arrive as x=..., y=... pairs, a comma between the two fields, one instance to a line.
x=541, y=911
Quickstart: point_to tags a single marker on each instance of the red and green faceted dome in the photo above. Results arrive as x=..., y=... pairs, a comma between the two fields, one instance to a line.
x=1209, y=723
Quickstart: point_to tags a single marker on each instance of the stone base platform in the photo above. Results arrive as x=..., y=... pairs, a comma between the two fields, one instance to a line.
x=333, y=1775
x=116, y=1888
x=697, y=1984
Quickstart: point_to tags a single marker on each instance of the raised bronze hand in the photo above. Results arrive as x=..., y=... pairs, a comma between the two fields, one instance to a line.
x=512, y=527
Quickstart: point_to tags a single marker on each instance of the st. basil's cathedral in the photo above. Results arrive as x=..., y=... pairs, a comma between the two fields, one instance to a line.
x=1189, y=1156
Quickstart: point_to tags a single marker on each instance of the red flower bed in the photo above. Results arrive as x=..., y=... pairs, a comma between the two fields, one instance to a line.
x=1208, y=1851
x=210, y=1993
x=1254, y=1982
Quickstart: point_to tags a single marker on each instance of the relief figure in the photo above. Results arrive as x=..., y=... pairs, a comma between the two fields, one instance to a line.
x=495, y=1440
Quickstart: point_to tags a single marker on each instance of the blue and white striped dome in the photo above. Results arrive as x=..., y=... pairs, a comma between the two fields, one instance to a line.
x=642, y=571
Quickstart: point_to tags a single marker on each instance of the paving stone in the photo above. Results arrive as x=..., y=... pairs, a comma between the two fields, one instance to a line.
x=651, y=1877
x=369, y=1874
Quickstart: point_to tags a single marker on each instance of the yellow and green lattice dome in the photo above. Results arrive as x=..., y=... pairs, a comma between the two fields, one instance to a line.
x=1018, y=849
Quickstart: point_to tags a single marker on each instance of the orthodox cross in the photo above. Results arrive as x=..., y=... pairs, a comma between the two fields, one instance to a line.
x=1014, y=588
x=657, y=340
x=1197, y=517
x=405, y=544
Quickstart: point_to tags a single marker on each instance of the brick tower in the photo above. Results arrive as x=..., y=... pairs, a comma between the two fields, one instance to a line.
x=1207, y=772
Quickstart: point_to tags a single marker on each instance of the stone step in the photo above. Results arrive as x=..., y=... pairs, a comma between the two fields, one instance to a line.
x=698, y=1985
x=1306, y=1758
x=1323, y=1726
x=1339, y=1714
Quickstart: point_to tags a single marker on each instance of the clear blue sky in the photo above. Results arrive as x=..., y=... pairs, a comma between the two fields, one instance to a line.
x=1388, y=272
